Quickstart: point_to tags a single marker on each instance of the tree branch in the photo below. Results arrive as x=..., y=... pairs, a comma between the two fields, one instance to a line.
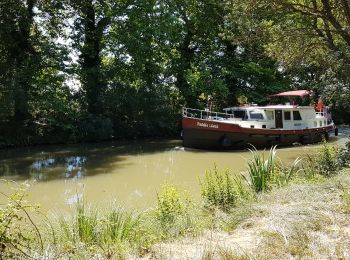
x=328, y=15
x=345, y=4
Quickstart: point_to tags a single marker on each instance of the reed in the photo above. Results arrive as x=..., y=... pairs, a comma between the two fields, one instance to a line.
x=260, y=169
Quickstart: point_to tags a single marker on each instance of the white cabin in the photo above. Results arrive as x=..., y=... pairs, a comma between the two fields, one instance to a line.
x=277, y=117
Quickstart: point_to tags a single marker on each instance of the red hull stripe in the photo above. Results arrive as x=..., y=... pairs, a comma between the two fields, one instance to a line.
x=217, y=126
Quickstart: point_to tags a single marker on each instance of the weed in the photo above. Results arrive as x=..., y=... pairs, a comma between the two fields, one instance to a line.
x=326, y=162
x=284, y=174
x=171, y=204
x=17, y=229
x=309, y=167
x=343, y=157
x=345, y=195
x=326, y=159
x=219, y=189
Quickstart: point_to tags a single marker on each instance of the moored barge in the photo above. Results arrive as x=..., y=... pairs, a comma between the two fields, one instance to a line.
x=261, y=126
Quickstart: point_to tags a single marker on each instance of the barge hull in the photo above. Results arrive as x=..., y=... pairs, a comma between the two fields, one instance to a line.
x=205, y=134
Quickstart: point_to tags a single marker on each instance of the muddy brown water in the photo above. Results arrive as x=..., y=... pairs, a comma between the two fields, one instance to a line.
x=127, y=173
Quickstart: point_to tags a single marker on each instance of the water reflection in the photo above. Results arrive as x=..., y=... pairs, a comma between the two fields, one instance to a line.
x=70, y=167
x=73, y=162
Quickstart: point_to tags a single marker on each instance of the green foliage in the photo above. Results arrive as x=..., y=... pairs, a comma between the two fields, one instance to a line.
x=344, y=155
x=171, y=204
x=260, y=171
x=326, y=162
x=70, y=73
x=220, y=189
x=18, y=232
x=326, y=158
x=94, y=127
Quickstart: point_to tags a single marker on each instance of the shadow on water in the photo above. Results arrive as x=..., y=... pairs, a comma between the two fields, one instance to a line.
x=47, y=163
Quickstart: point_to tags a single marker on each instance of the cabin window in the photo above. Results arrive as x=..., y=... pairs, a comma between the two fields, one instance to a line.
x=270, y=115
x=239, y=114
x=320, y=123
x=296, y=115
x=256, y=115
x=287, y=115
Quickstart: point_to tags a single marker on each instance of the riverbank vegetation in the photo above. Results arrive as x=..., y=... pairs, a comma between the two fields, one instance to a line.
x=75, y=71
x=271, y=210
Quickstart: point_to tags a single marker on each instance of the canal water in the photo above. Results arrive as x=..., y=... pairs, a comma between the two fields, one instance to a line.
x=127, y=173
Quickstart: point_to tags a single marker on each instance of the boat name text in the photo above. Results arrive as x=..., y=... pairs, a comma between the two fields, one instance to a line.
x=207, y=125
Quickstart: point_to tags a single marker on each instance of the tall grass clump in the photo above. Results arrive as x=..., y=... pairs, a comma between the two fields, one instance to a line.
x=86, y=223
x=83, y=227
x=220, y=189
x=261, y=170
x=120, y=225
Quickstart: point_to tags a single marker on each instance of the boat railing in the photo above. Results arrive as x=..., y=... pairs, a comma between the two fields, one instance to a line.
x=205, y=114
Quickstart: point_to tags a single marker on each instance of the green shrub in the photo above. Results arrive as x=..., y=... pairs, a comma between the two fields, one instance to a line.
x=344, y=156
x=218, y=190
x=19, y=235
x=260, y=170
x=327, y=162
x=175, y=215
x=223, y=190
x=171, y=204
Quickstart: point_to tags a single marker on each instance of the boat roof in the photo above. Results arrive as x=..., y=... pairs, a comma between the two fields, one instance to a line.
x=295, y=93
x=269, y=107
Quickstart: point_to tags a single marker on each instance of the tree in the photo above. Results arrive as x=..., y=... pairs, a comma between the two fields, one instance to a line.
x=92, y=19
x=20, y=55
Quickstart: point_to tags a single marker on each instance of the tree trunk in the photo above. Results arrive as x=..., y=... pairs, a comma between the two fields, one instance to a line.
x=90, y=58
